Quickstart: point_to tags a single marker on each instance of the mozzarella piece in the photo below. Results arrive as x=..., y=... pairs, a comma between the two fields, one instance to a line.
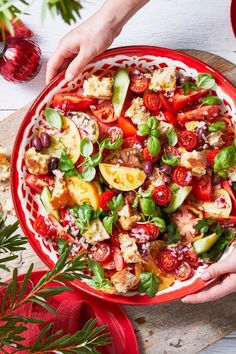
x=163, y=79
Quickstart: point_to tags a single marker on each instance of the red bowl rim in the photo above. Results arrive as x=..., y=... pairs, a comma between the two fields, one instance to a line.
x=143, y=50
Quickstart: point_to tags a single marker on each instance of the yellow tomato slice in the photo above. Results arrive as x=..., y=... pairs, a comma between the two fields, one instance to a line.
x=216, y=210
x=82, y=192
x=122, y=178
x=70, y=138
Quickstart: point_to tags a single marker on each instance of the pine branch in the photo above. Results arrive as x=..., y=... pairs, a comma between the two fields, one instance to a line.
x=69, y=10
x=9, y=11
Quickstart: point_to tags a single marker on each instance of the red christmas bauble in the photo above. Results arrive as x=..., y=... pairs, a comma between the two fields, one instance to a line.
x=20, y=59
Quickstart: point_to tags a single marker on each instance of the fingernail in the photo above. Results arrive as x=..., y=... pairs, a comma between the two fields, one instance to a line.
x=206, y=276
x=69, y=77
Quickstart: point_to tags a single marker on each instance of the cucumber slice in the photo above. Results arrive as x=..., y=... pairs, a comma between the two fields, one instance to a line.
x=120, y=89
x=55, y=149
x=45, y=198
x=177, y=199
x=205, y=243
x=53, y=118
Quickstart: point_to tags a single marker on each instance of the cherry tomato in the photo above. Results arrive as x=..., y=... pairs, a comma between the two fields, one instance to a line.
x=131, y=142
x=167, y=261
x=166, y=104
x=183, y=102
x=42, y=225
x=101, y=252
x=104, y=112
x=152, y=101
x=72, y=102
x=114, y=134
x=161, y=195
x=139, y=83
x=202, y=188
x=172, y=151
x=37, y=183
x=144, y=233
x=148, y=156
x=188, y=140
x=227, y=187
x=182, y=176
x=183, y=271
x=129, y=129
x=170, y=118
x=191, y=257
x=104, y=198
x=202, y=113
x=211, y=156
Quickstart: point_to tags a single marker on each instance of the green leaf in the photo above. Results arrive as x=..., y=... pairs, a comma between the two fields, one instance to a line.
x=53, y=118
x=112, y=146
x=149, y=283
x=169, y=160
x=149, y=207
x=116, y=202
x=173, y=233
x=86, y=147
x=211, y=100
x=153, y=145
x=219, y=125
x=108, y=223
x=82, y=215
x=204, y=224
x=66, y=165
x=144, y=129
x=152, y=123
x=160, y=223
x=206, y=81
x=89, y=173
x=135, y=202
x=188, y=86
x=225, y=159
x=172, y=137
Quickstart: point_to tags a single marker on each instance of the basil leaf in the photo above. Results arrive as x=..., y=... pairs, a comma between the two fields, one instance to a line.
x=82, y=215
x=153, y=145
x=98, y=280
x=96, y=159
x=172, y=137
x=211, y=100
x=66, y=165
x=152, y=122
x=156, y=133
x=115, y=145
x=206, y=81
x=144, y=129
x=169, y=160
x=89, y=173
x=188, y=86
x=135, y=202
x=225, y=159
x=204, y=224
x=219, y=125
x=160, y=223
x=86, y=147
x=148, y=207
x=96, y=268
x=173, y=233
x=116, y=202
x=108, y=223
x=53, y=118
x=149, y=283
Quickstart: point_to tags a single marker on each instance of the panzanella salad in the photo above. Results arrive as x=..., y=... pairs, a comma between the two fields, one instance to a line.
x=139, y=173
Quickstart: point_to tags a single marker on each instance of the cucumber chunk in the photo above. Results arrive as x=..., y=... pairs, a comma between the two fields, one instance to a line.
x=205, y=243
x=55, y=149
x=120, y=89
x=177, y=199
x=45, y=198
x=53, y=118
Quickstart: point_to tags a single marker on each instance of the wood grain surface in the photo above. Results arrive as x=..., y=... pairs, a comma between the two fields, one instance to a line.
x=165, y=329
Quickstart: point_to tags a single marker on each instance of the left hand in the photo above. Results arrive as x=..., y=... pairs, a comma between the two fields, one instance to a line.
x=225, y=286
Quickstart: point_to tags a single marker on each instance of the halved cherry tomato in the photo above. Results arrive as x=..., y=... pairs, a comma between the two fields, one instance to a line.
x=139, y=83
x=183, y=102
x=37, y=183
x=202, y=113
x=211, y=156
x=131, y=142
x=144, y=233
x=166, y=104
x=129, y=129
x=148, y=156
x=202, y=188
x=188, y=140
x=152, y=101
x=191, y=257
x=101, y=252
x=42, y=225
x=167, y=261
x=227, y=187
x=104, y=198
x=104, y=112
x=72, y=102
x=183, y=271
x=170, y=118
x=161, y=195
x=172, y=151
x=182, y=176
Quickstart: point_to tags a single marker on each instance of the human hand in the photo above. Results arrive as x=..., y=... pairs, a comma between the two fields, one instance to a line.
x=225, y=286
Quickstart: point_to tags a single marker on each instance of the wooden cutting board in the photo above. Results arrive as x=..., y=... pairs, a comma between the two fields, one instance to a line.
x=165, y=329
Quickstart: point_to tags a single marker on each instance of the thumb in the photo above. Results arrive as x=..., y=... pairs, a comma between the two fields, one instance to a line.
x=77, y=65
x=217, y=269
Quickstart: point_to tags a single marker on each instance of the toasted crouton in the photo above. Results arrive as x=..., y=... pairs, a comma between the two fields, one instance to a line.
x=4, y=165
x=195, y=161
x=96, y=232
x=129, y=249
x=124, y=280
x=126, y=219
x=163, y=79
x=60, y=194
x=98, y=87
x=36, y=162
x=137, y=112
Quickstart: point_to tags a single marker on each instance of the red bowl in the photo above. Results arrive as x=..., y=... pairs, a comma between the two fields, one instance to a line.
x=27, y=204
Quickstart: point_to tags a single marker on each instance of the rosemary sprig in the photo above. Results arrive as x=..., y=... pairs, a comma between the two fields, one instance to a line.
x=69, y=10
x=9, y=11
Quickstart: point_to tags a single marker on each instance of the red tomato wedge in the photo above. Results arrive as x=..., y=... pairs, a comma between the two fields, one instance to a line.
x=37, y=183
x=183, y=271
x=104, y=112
x=202, y=188
x=167, y=261
x=104, y=198
x=188, y=140
x=72, y=102
x=211, y=156
x=129, y=129
x=202, y=113
x=42, y=225
x=144, y=233
x=161, y=195
x=133, y=141
x=191, y=257
x=228, y=188
x=139, y=83
x=101, y=252
x=166, y=105
x=184, y=102
x=152, y=101
x=147, y=156
x=182, y=176
x=170, y=118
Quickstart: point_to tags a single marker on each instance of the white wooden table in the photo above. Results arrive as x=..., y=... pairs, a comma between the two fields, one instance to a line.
x=194, y=24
